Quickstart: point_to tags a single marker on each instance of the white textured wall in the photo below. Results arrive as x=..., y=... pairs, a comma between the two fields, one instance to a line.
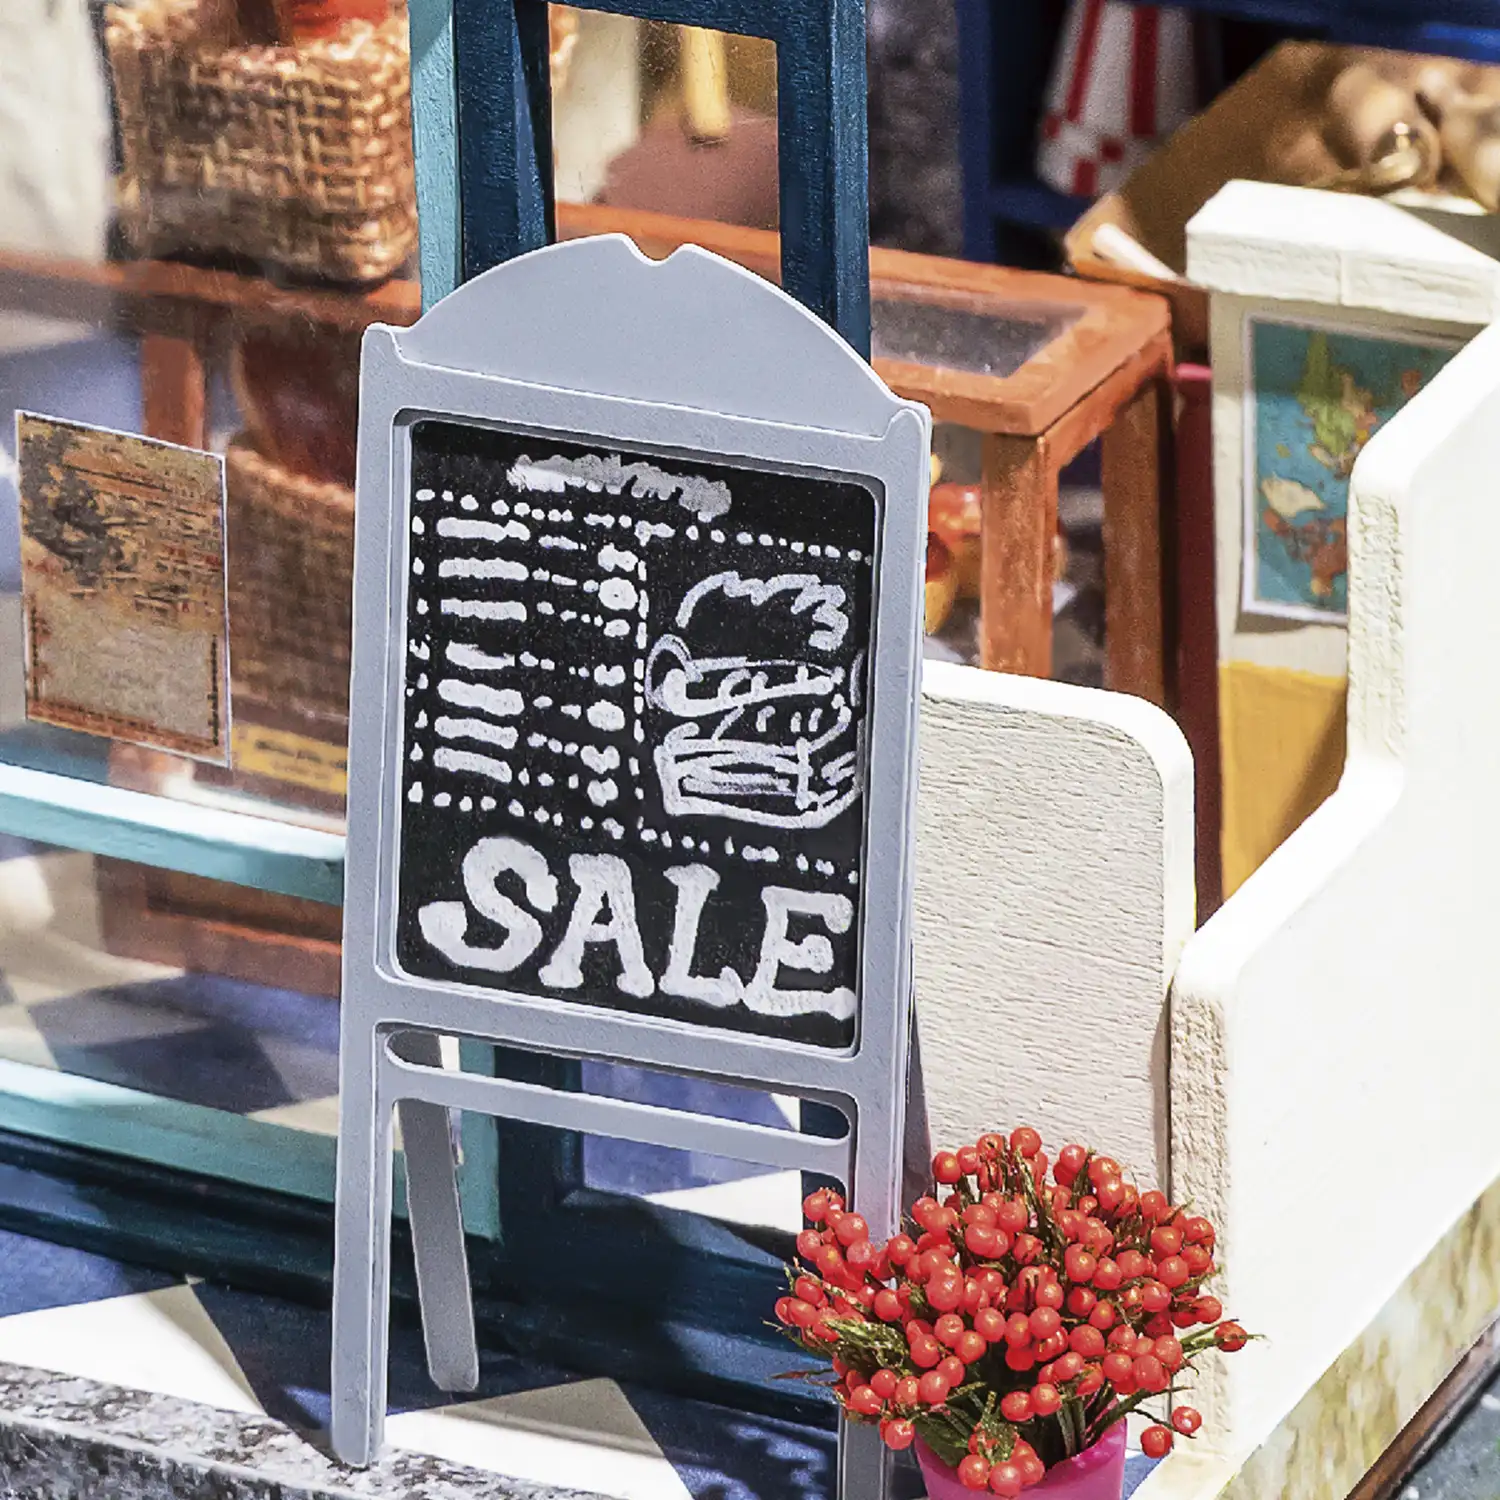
x=54, y=139
x=1335, y=1027
x=597, y=113
x=1259, y=239
x=1054, y=893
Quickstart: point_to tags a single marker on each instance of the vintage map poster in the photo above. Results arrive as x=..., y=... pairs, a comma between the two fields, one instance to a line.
x=123, y=580
x=1315, y=397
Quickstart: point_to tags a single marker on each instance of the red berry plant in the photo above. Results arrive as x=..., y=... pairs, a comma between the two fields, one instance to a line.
x=1014, y=1319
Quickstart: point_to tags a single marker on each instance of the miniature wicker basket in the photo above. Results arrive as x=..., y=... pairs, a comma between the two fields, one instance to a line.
x=299, y=157
x=291, y=586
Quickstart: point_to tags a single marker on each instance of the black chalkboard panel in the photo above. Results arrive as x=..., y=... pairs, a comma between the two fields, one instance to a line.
x=634, y=731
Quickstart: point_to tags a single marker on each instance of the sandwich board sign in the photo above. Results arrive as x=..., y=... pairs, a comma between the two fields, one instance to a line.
x=632, y=741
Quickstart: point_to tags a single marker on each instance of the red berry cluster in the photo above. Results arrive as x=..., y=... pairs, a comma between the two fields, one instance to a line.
x=1013, y=1319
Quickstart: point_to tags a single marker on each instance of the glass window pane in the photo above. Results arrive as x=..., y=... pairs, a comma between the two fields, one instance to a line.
x=108, y=976
x=963, y=338
x=201, y=208
x=672, y=119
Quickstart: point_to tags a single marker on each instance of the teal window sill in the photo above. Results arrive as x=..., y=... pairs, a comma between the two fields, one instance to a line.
x=74, y=812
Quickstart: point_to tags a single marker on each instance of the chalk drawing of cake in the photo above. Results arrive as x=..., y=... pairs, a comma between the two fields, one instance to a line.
x=771, y=737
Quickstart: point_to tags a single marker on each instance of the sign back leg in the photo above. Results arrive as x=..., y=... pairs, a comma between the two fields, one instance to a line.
x=437, y=1231
x=864, y=1463
x=916, y=1171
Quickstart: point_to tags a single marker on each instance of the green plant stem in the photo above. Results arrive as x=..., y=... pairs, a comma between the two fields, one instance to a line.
x=1070, y=1418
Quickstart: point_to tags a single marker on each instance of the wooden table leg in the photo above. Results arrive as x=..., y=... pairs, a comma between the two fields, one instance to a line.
x=705, y=83
x=1196, y=689
x=174, y=390
x=1016, y=567
x=1136, y=452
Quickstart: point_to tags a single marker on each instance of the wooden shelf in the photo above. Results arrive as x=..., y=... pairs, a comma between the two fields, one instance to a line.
x=1112, y=323
x=238, y=848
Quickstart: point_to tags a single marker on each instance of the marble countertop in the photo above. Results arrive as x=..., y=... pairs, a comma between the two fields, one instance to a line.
x=65, y=1438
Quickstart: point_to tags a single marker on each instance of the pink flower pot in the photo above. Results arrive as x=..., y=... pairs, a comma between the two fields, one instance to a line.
x=1098, y=1473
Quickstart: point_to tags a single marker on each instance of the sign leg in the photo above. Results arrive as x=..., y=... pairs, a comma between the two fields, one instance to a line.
x=864, y=1463
x=362, y=1260
x=437, y=1231
x=890, y=1151
x=827, y=1123
x=916, y=1167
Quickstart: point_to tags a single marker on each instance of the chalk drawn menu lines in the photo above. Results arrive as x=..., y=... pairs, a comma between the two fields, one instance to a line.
x=548, y=594
x=621, y=595
x=487, y=565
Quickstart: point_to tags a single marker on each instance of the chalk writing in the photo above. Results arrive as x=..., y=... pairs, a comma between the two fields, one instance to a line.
x=638, y=686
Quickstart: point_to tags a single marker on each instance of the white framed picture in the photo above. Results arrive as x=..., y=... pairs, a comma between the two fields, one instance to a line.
x=1315, y=394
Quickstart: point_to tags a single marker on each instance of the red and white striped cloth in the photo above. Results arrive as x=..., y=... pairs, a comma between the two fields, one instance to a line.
x=1123, y=81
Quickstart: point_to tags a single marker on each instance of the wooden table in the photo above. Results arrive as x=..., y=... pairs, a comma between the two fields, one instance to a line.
x=1040, y=365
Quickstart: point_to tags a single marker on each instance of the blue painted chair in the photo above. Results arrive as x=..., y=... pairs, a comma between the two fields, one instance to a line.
x=483, y=105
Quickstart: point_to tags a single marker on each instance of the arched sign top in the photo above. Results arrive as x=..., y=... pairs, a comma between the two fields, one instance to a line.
x=632, y=740
x=588, y=315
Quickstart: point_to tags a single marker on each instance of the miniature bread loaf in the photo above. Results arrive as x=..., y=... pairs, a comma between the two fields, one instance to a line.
x=300, y=21
x=942, y=584
x=1370, y=118
x=954, y=515
x=1469, y=129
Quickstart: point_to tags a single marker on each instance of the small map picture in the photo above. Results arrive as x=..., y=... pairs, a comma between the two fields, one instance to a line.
x=1316, y=397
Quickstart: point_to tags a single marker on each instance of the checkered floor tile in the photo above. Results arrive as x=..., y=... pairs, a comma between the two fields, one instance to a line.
x=66, y=1003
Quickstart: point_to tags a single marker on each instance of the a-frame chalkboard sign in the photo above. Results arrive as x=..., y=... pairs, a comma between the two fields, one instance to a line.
x=632, y=743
